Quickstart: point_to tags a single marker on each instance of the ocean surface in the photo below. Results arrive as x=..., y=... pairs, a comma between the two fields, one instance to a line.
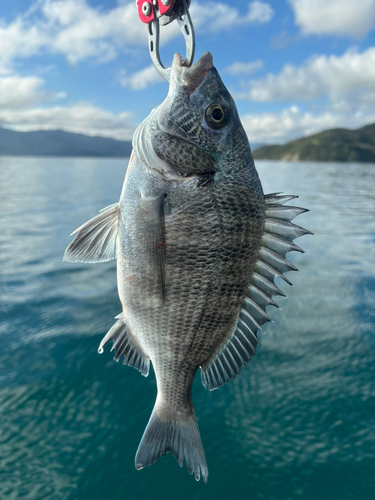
x=297, y=423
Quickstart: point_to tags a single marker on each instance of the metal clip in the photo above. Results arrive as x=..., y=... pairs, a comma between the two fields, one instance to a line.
x=167, y=11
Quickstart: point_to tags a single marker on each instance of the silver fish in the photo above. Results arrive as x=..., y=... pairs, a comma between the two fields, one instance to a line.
x=198, y=246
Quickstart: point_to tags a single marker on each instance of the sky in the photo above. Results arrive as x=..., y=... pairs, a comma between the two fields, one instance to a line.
x=294, y=67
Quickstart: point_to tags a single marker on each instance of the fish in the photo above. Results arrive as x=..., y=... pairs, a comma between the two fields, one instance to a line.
x=198, y=247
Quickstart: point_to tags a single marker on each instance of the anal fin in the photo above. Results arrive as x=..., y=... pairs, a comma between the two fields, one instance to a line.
x=96, y=239
x=124, y=345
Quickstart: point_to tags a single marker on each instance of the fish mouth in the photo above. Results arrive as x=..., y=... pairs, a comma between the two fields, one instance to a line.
x=191, y=77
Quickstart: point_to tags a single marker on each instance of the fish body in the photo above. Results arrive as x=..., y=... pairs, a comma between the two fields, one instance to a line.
x=195, y=260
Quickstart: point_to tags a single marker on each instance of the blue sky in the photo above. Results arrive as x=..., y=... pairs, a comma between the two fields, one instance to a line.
x=294, y=67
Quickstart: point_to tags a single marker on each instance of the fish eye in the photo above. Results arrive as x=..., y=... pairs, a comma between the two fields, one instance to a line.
x=217, y=116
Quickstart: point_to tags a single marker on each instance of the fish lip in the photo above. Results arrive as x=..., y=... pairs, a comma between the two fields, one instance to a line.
x=191, y=77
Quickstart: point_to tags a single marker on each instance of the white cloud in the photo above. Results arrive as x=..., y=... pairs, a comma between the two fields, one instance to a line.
x=82, y=31
x=340, y=92
x=240, y=68
x=259, y=12
x=208, y=17
x=216, y=16
x=332, y=76
x=281, y=40
x=23, y=106
x=142, y=79
x=335, y=17
x=18, y=92
x=292, y=123
x=18, y=40
x=71, y=28
x=78, y=31
x=81, y=117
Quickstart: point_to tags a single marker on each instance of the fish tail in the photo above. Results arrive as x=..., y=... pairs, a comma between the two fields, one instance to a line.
x=179, y=436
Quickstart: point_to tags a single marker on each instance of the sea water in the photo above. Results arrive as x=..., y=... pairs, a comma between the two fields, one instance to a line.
x=297, y=423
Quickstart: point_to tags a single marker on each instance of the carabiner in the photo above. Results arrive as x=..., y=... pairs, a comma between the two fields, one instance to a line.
x=166, y=12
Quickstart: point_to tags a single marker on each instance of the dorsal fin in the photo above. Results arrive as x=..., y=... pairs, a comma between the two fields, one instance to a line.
x=277, y=241
x=96, y=239
x=124, y=345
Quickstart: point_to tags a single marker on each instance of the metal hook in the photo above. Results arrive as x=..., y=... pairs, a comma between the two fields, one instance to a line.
x=186, y=26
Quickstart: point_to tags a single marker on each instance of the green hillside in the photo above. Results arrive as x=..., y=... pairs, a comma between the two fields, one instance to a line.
x=338, y=144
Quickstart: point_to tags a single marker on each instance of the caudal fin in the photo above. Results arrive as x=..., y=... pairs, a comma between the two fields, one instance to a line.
x=181, y=438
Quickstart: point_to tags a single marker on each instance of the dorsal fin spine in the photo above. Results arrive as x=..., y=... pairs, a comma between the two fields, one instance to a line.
x=274, y=199
x=253, y=289
x=284, y=228
x=279, y=244
x=274, y=259
x=250, y=303
x=270, y=271
x=251, y=319
x=269, y=287
x=284, y=212
x=276, y=242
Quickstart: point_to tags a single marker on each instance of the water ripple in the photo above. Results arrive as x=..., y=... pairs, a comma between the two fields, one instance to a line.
x=297, y=423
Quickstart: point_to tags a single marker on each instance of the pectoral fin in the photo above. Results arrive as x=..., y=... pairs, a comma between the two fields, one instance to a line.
x=160, y=252
x=96, y=239
x=156, y=237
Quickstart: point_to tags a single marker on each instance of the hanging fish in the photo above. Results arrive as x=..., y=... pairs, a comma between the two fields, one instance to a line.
x=198, y=246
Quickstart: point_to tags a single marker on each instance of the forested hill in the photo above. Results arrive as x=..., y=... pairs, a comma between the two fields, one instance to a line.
x=338, y=144
x=60, y=143
x=341, y=145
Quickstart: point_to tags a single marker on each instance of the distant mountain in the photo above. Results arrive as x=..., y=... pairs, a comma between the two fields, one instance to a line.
x=60, y=143
x=256, y=145
x=339, y=144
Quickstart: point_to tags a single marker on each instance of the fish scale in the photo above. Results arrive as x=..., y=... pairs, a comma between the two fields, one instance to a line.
x=198, y=247
x=210, y=301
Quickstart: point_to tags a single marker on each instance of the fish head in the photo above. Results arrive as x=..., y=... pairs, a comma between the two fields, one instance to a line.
x=196, y=130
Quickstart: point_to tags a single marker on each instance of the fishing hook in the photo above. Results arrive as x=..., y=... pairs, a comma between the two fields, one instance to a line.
x=158, y=13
